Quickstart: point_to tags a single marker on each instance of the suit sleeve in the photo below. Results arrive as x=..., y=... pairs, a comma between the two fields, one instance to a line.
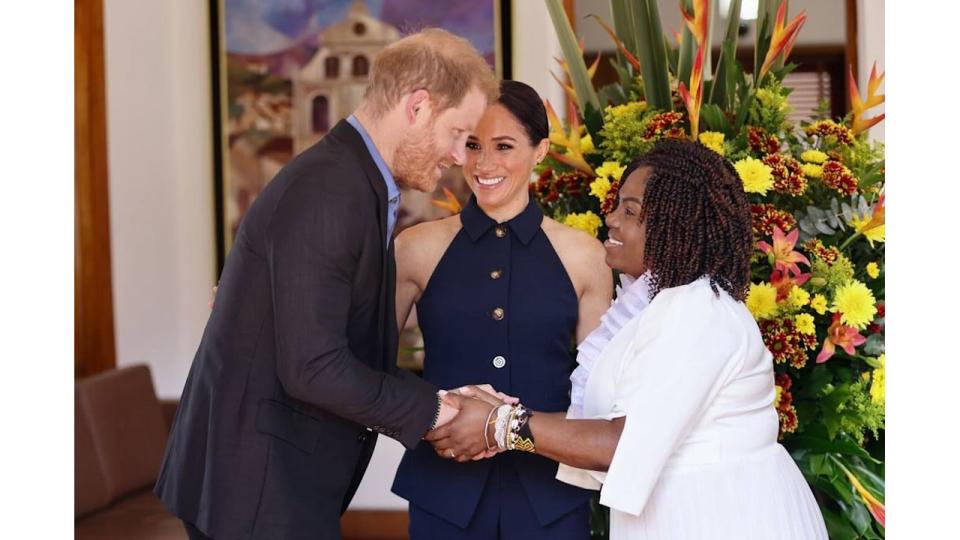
x=314, y=242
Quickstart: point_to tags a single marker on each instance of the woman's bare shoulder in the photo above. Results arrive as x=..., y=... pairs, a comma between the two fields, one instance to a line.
x=422, y=245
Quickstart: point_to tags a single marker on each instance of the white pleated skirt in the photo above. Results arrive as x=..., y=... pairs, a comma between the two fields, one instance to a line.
x=760, y=497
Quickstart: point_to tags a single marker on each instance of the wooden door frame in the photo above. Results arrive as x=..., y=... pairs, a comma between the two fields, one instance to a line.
x=94, y=347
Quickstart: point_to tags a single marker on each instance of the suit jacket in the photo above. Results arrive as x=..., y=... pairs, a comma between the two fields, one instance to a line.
x=297, y=360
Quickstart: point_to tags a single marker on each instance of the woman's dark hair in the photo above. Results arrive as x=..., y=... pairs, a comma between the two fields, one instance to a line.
x=697, y=217
x=525, y=105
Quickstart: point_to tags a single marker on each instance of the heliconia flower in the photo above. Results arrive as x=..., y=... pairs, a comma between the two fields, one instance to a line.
x=860, y=123
x=623, y=49
x=784, y=257
x=699, y=21
x=591, y=71
x=783, y=38
x=876, y=508
x=451, y=203
x=840, y=335
x=693, y=101
x=573, y=156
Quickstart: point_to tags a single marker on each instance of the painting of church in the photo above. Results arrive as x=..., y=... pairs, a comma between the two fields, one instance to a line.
x=290, y=71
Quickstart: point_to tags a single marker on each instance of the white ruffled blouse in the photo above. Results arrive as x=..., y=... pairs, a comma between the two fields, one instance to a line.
x=698, y=456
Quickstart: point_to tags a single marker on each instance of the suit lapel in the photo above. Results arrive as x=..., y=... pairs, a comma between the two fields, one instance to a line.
x=387, y=316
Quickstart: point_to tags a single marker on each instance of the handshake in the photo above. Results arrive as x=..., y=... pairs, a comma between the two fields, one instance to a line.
x=477, y=422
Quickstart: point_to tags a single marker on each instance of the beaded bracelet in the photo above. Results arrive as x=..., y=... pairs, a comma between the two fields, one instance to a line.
x=520, y=436
x=503, y=417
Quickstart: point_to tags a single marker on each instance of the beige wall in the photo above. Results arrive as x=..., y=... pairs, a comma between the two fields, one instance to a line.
x=161, y=186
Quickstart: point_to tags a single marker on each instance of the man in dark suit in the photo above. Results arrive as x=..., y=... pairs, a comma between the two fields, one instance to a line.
x=295, y=374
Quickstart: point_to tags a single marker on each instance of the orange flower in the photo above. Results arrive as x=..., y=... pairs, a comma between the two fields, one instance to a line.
x=699, y=21
x=451, y=204
x=693, y=101
x=876, y=508
x=784, y=257
x=574, y=155
x=840, y=335
x=784, y=283
x=783, y=38
x=591, y=71
x=859, y=107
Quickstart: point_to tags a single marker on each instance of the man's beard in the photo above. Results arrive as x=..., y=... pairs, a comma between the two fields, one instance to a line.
x=415, y=161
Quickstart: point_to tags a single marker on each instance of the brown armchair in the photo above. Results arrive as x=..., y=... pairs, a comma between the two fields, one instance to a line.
x=120, y=432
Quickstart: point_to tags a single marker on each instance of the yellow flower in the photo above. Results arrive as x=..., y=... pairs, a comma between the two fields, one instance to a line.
x=599, y=188
x=812, y=170
x=586, y=144
x=813, y=156
x=587, y=222
x=873, y=232
x=776, y=399
x=878, y=388
x=634, y=108
x=804, y=323
x=610, y=169
x=819, y=304
x=712, y=140
x=798, y=297
x=762, y=300
x=756, y=175
x=873, y=270
x=855, y=303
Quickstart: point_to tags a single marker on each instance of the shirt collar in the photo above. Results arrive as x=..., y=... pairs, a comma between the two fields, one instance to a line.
x=392, y=190
x=524, y=225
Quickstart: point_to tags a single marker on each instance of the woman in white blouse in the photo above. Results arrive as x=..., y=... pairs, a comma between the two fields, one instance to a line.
x=672, y=403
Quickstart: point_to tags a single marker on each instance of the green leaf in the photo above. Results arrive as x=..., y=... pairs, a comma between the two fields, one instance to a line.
x=687, y=49
x=838, y=528
x=582, y=85
x=726, y=74
x=839, y=446
x=714, y=119
x=653, y=54
x=857, y=514
x=821, y=465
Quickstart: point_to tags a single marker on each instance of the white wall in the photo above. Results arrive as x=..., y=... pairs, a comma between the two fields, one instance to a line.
x=870, y=48
x=161, y=186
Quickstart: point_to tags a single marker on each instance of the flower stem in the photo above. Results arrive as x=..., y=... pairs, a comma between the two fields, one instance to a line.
x=844, y=245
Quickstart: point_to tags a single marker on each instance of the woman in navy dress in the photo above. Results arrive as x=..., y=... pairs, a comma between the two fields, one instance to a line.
x=501, y=292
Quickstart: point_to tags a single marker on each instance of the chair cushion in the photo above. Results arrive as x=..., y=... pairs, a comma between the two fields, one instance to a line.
x=90, y=487
x=141, y=516
x=127, y=427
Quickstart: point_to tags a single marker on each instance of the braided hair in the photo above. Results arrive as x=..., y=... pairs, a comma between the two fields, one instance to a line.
x=697, y=218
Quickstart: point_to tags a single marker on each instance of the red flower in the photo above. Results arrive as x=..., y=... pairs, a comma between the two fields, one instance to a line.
x=785, y=342
x=761, y=142
x=784, y=257
x=766, y=217
x=788, y=177
x=663, y=123
x=836, y=176
x=840, y=335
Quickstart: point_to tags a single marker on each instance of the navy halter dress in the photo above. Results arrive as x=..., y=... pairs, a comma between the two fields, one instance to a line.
x=498, y=309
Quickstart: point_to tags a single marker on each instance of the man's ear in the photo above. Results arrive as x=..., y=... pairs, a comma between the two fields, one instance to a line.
x=416, y=105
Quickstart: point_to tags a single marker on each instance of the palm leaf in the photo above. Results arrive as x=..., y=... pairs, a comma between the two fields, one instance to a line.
x=579, y=77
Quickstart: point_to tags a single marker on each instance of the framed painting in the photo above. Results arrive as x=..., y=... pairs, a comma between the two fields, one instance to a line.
x=285, y=71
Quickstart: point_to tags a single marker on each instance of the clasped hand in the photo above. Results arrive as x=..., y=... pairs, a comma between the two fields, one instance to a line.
x=463, y=438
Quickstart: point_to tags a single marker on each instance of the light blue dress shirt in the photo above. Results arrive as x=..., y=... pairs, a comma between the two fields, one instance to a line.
x=393, y=192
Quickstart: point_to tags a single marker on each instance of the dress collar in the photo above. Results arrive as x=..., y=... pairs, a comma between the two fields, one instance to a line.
x=524, y=225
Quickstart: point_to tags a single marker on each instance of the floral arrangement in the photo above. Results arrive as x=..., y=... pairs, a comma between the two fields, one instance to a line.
x=817, y=195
